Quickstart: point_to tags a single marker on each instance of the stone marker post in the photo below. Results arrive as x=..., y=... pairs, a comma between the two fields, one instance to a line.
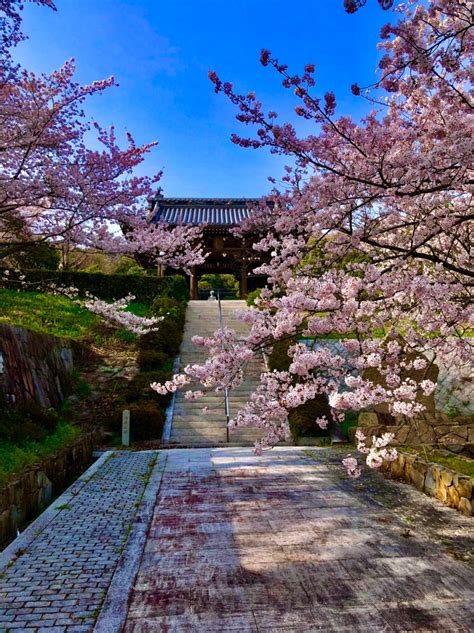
x=126, y=427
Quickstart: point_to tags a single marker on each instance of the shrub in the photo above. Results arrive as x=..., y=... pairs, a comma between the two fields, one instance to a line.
x=150, y=360
x=170, y=308
x=109, y=287
x=252, y=296
x=351, y=420
x=26, y=421
x=146, y=421
x=279, y=358
x=139, y=387
x=166, y=339
x=302, y=419
x=37, y=254
x=175, y=286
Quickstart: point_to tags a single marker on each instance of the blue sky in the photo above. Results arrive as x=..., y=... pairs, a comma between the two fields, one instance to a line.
x=160, y=51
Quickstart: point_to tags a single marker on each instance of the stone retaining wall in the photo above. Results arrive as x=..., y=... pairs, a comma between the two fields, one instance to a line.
x=431, y=429
x=33, y=366
x=29, y=493
x=453, y=489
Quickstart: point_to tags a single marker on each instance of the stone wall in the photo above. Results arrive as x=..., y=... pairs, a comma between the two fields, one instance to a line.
x=430, y=429
x=33, y=366
x=29, y=493
x=451, y=488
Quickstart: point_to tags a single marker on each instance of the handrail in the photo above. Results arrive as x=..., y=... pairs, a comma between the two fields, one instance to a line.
x=226, y=390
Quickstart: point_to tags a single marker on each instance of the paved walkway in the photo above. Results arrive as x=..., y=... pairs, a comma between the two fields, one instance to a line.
x=55, y=576
x=284, y=543
x=217, y=540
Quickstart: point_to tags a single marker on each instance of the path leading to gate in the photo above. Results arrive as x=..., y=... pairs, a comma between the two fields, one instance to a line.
x=285, y=542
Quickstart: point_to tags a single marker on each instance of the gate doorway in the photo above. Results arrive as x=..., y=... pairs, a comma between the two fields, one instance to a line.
x=226, y=285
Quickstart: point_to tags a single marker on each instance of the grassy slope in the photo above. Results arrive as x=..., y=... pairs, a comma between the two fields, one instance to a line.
x=47, y=314
x=58, y=316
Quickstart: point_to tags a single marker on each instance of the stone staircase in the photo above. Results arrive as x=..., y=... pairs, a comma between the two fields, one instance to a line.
x=190, y=426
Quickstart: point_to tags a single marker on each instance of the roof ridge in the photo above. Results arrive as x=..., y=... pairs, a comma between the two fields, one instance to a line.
x=191, y=200
x=194, y=213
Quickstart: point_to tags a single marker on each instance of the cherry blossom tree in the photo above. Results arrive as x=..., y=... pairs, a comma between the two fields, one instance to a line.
x=370, y=236
x=352, y=6
x=53, y=187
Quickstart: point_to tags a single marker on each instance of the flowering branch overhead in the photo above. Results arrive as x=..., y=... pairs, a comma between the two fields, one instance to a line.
x=52, y=186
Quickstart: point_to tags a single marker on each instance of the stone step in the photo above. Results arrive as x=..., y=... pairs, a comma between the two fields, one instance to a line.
x=185, y=426
x=192, y=427
x=242, y=389
x=204, y=420
x=213, y=404
x=199, y=435
x=201, y=438
x=213, y=400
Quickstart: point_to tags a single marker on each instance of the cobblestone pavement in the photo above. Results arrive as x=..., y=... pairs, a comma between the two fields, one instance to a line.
x=285, y=543
x=55, y=577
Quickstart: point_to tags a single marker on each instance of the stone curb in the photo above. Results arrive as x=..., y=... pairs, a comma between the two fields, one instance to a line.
x=451, y=488
x=41, y=523
x=115, y=607
x=165, y=438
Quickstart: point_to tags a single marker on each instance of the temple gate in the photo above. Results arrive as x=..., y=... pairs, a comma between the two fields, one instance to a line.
x=227, y=254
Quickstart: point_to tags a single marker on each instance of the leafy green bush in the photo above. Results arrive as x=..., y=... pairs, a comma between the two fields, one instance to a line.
x=109, y=287
x=26, y=421
x=37, y=255
x=351, y=419
x=279, y=358
x=170, y=308
x=166, y=339
x=150, y=359
x=252, y=296
x=139, y=387
x=146, y=421
x=302, y=419
x=156, y=353
x=174, y=286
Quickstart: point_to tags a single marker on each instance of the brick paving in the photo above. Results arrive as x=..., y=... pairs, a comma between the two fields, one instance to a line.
x=55, y=577
x=284, y=543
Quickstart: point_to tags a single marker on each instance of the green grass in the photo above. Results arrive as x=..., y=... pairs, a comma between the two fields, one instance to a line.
x=47, y=314
x=140, y=309
x=59, y=316
x=452, y=461
x=13, y=459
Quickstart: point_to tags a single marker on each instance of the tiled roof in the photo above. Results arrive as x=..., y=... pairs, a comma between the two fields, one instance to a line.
x=218, y=211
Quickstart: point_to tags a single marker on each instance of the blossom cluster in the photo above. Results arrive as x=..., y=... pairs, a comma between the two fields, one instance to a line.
x=116, y=312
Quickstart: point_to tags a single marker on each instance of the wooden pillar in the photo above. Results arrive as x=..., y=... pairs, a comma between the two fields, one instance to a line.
x=160, y=270
x=194, y=283
x=243, y=282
